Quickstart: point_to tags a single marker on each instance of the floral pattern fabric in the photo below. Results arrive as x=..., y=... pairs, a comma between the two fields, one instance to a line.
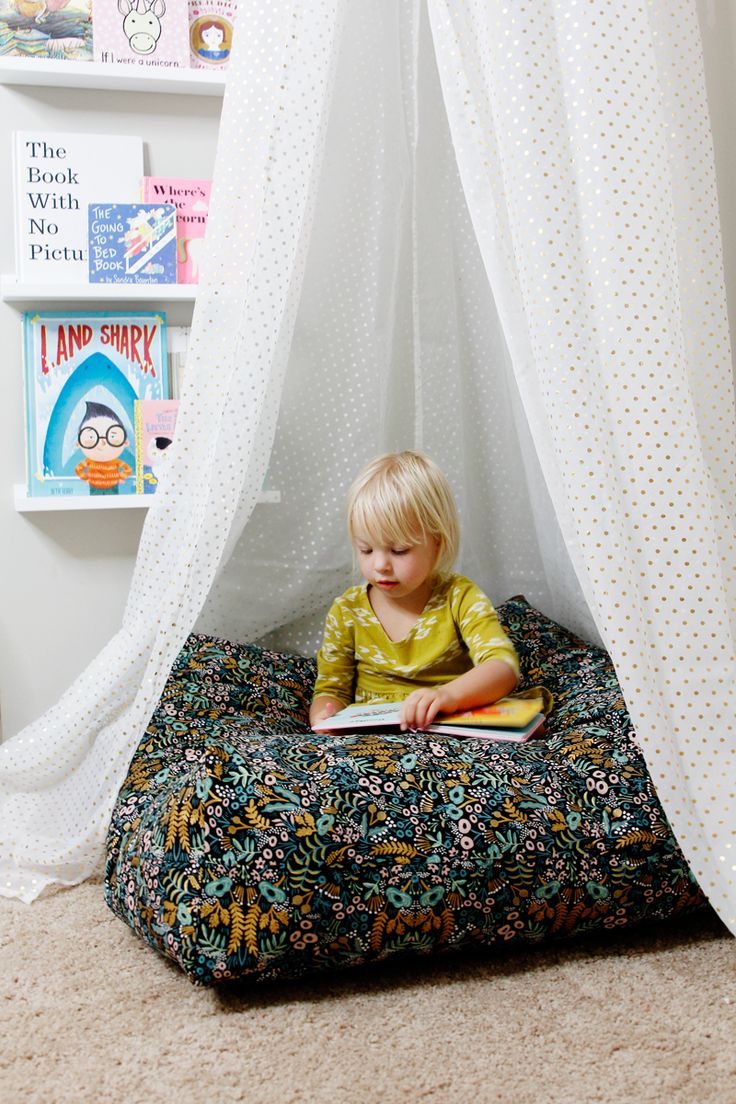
x=243, y=844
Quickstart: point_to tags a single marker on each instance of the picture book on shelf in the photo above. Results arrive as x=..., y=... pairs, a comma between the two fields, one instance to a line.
x=155, y=422
x=56, y=175
x=192, y=200
x=59, y=29
x=141, y=34
x=515, y=719
x=132, y=243
x=211, y=33
x=177, y=340
x=83, y=374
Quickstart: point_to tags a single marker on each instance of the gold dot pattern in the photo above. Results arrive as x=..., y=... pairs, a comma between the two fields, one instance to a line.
x=347, y=309
x=583, y=141
x=59, y=777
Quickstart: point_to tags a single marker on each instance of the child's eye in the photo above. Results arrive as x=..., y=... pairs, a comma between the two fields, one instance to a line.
x=399, y=551
x=364, y=551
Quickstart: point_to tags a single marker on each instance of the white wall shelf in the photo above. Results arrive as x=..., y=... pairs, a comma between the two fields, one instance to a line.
x=91, y=74
x=36, y=295
x=26, y=504
x=46, y=545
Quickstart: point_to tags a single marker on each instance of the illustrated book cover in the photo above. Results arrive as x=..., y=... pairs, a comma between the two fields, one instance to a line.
x=56, y=175
x=132, y=243
x=59, y=29
x=192, y=201
x=515, y=719
x=83, y=374
x=155, y=422
x=141, y=34
x=211, y=33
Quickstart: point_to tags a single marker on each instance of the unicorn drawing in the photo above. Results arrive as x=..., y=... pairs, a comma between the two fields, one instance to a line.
x=142, y=23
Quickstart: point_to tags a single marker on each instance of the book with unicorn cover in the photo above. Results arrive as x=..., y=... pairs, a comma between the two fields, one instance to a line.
x=141, y=34
x=192, y=201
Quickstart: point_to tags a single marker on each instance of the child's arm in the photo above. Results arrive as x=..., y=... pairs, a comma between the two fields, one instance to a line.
x=482, y=685
x=333, y=688
x=495, y=663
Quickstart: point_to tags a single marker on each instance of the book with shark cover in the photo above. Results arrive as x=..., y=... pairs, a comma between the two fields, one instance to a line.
x=83, y=374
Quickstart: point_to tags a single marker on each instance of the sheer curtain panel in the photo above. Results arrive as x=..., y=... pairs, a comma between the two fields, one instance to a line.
x=582, y=135
x=490, y=230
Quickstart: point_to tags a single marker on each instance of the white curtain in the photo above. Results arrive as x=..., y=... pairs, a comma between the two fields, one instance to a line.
x=490, y=230
x=582, y=136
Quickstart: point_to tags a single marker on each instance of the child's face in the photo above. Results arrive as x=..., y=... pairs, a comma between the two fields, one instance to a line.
x=397, y=570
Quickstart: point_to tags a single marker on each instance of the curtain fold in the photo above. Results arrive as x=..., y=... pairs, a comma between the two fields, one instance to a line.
x=592, y=194
x=59, y=777
x=489, y=229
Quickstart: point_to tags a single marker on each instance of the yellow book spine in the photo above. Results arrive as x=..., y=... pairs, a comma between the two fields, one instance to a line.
x=138, y=428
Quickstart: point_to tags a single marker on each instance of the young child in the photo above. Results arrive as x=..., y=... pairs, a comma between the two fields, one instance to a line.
x=414, y=632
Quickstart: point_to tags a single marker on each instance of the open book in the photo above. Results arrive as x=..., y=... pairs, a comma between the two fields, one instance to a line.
x=507, y=719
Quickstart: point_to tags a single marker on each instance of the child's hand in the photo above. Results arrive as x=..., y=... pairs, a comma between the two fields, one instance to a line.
x=321, y=710
x=422, y=706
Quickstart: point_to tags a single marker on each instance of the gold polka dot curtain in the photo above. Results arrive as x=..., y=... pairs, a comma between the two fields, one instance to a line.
x=489, y=230
x=582, y=136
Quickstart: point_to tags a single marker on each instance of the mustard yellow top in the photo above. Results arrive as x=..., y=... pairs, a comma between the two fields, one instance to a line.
x=457, y=629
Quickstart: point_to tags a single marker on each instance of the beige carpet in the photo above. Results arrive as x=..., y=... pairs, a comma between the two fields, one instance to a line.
x=90, y=1014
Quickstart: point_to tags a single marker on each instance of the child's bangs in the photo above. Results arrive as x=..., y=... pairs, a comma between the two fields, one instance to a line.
x=385, y=523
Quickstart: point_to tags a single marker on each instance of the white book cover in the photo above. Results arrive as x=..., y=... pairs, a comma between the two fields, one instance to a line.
x=56, y=176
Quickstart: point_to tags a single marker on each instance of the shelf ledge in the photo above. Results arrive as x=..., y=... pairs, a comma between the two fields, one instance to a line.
x=25, y=503
x=51, y=72
x=17, y=294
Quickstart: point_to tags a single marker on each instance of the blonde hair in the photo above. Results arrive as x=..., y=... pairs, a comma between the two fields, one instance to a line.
x=403, y=498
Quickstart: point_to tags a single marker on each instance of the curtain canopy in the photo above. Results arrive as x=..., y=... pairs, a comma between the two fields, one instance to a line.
x=488, y=230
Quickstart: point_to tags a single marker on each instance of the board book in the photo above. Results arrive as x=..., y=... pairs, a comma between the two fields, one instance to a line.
x=211, y=33
x=155, y=422
x=83, y=373
x=55, y=176
x=177, y=340
x=132, y=243
x=192, y=201
x=141, y=34
x=515, y=719
x=58, y=29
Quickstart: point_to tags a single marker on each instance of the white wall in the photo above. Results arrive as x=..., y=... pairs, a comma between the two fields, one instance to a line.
x=64, y=576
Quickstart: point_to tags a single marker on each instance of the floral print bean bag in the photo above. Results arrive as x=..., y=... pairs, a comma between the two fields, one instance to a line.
x=243, y=844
